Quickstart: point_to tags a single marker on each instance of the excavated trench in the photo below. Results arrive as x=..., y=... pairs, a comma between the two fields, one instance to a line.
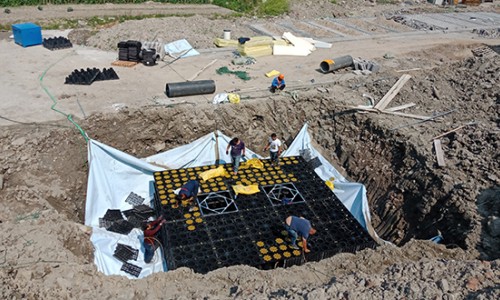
x=405, y=196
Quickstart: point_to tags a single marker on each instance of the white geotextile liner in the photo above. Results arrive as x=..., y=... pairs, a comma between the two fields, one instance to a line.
x=114, y=174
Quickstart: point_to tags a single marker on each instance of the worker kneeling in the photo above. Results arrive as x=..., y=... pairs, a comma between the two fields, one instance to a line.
x=278, y=83
x=296, y=226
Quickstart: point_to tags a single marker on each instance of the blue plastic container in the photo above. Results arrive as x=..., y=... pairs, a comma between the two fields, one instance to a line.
x=27, y=34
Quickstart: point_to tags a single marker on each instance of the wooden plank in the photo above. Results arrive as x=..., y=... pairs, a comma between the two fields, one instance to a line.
x=439, y=153
x=408, y=70
x=453, y=130
x=425, y=120
x=202, y=69
x=401, y=107
x=419, y=117
x=382, y=104
x=124, y=63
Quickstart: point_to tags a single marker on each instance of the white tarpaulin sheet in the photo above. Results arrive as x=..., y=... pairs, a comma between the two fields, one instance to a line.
x=352, y=195
x=180, y=48
x=114, y=174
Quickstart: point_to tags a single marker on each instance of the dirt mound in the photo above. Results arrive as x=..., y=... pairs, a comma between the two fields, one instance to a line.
x=200, y=36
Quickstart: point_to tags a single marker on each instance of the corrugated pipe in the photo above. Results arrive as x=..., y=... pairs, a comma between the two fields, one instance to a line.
x=330, y=65
x=188, y=88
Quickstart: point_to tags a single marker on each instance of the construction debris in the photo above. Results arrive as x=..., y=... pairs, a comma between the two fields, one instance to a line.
x=382, y=104
x=124, y=63
x=431, y=118
x=454, y=130
x=299, y=46
x=419, y=25
x=487, y=33
x=365, y=66
x=439, y=153
x=243, y=60
x=202, y=69
x=483, y=52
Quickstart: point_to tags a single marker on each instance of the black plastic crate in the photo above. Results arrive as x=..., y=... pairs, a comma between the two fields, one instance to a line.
x=121, y=226
x=57, y=43
x=131, y=269
x=125, y=252
x=113, y=215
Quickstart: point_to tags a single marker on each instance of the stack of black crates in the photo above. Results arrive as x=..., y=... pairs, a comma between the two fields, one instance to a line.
x=129, y=50
x=251, y=230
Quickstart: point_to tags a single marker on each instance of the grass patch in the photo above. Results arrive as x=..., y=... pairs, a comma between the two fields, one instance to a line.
x=93, y=22
x=273, y=7
x=232, y=16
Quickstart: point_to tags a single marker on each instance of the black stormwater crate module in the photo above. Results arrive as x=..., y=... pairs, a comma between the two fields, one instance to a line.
x=125, y=253
x=88, y=76
x=134, y=199
x=131, y=269
x=221, y=229
x=57, y=43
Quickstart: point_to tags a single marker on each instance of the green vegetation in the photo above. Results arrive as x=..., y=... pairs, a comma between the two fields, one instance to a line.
x=107, y=20
x=261, y=7
x=273, y=7
x=93, y=22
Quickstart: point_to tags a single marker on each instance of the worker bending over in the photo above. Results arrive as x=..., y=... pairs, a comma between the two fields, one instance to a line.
x=296, y=226
x=188, y=191
x=150, y=230
x=278, y=83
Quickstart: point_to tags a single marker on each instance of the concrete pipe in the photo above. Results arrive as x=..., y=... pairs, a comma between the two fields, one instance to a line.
x=188, y=88
x=330, y=65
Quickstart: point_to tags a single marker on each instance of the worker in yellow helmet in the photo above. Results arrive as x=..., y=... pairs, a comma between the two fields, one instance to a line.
x=278, y=83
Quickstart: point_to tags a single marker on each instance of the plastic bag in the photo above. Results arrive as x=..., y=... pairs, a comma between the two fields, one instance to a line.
x=252, y=163
x=330, y=184
x=246, y=189
x=233, y=98
x=218, y=172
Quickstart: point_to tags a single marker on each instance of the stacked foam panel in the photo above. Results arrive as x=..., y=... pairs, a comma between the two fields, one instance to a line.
x=256, y=47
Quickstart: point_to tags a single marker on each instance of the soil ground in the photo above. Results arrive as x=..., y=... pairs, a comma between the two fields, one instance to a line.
x=45, y=252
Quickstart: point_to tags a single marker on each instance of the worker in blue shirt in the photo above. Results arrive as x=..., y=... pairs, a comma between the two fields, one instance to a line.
x=278, y=83
x=296, y=226
x=189, y=191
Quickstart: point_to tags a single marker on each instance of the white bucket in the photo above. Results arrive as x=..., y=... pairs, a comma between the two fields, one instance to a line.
x=227, y=34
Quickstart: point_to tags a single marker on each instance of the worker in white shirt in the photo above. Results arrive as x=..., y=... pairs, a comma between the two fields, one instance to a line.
x=275, y=148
